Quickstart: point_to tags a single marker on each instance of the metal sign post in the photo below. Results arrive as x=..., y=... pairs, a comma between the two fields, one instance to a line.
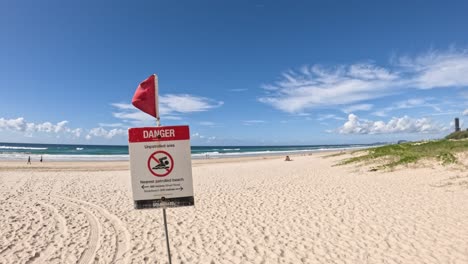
x=167, y=236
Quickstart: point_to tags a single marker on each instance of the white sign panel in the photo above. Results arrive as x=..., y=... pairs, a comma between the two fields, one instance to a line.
x=161, y=166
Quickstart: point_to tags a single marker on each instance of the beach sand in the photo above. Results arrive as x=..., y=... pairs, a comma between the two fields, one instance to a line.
x=250, y=210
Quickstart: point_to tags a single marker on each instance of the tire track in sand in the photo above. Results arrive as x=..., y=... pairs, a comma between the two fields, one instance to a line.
x=112, y=232
x=22, y=230
x=89, y=254
x=53, y=249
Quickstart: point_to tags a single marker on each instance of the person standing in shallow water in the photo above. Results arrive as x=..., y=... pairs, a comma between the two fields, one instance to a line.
x=29, y=160
x=41, y=159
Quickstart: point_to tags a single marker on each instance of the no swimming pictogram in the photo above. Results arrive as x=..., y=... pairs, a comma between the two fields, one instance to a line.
x=160, y=163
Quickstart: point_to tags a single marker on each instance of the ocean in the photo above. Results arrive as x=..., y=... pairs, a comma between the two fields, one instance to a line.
x=59, y=152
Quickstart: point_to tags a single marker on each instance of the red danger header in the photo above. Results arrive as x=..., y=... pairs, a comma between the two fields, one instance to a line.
x=162, y=133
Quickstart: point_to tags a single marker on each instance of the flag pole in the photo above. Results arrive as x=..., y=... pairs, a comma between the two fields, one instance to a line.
x=158, y=124
x=156, y=100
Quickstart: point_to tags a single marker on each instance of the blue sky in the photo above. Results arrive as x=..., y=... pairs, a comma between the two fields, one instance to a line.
x=237, y=72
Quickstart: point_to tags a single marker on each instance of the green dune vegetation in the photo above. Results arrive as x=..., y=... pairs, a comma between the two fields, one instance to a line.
x=444, y=150
x=458, y=135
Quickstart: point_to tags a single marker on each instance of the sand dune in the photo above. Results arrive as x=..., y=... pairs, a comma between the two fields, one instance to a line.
x=247, y=211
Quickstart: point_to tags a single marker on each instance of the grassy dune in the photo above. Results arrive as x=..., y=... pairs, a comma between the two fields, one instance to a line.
x=400, y=154
x=458, y=135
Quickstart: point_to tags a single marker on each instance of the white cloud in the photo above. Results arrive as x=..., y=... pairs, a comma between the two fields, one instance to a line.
x=438, y=69
x=170, y=107
x=329, y=116
x=238, y=90
x=203, y=139
x=29, y=128
x=380, y=113
x=410, y=103
x=44, y=127
x=358, y=107
x=253, y=122
x=465, y=113
x=104, y=133
x=197, y=135
x=76, y=132
x=405, y=124
x=302, y=114
x=59, y=129
x=111, y=125
x=444, y=113
x=135, y=117
x=174, y=117
x=405, y=104
x=185, y=103
x=370, y=72
x=318, y=87
x=123, y=106
x=17, y=124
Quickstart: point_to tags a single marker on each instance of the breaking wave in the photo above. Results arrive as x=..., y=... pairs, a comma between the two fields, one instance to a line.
x=22, y=148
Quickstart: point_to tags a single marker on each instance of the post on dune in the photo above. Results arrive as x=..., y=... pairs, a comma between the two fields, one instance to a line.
x=160, y=159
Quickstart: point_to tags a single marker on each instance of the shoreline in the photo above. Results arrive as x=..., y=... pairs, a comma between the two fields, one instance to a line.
x=119, y=165
x=15, y=157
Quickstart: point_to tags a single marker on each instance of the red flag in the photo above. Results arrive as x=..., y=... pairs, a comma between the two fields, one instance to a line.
x=145, y=96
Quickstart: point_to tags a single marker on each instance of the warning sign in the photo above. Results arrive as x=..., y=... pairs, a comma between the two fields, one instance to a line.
x=160, y=166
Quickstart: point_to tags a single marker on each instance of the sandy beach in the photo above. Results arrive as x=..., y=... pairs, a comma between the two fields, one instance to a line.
x=250, y=210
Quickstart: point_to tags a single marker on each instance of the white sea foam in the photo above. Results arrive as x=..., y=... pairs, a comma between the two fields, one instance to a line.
x=79, y=148
x=48, y=157
x=207, y=153
x=266, y=152
x=121, y=157
x=24, y=148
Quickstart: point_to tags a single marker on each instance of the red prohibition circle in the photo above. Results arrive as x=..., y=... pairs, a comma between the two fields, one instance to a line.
x=152, y=157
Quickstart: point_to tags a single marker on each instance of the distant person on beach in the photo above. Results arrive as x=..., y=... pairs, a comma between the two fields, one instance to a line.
x=29, y=160
x=287, y=158
x=41, y=159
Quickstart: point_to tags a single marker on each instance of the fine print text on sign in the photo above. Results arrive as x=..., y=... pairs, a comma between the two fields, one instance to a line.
x=160, y=166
